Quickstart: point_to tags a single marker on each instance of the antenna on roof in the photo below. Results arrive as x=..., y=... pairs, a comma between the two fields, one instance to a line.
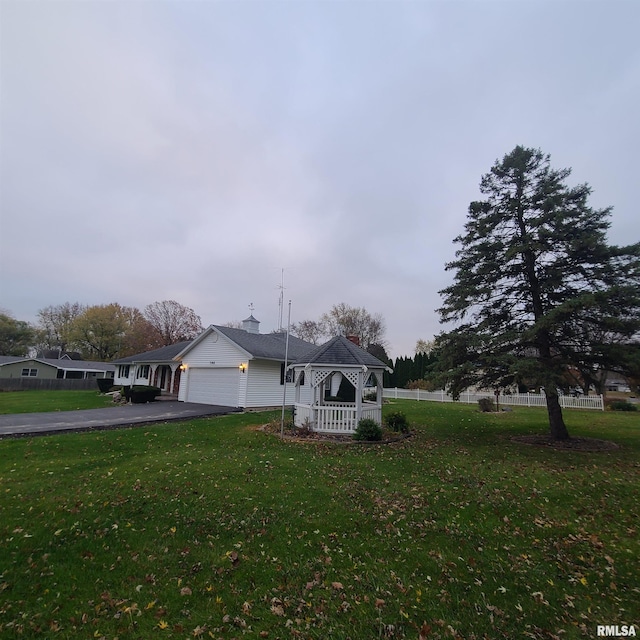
x=281, y=301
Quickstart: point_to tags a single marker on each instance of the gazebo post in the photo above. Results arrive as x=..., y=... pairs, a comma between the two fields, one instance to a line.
x=359, y=387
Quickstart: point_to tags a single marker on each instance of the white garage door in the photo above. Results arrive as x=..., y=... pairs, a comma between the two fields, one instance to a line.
x=214, y=386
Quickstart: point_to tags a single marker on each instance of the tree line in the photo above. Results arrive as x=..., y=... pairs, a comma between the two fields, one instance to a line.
x=414, y=372
x=110, y=331
x=98, y=332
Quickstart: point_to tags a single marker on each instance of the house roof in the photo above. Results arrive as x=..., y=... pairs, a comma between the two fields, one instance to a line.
x=163, y=354
x=340, y=351
x=60, y=363
x=267, y=346
x=56, y=354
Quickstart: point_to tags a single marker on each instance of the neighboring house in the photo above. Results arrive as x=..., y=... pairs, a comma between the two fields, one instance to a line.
x=53, y=368
x=239, y=367
x=157, y=368
x=616, y=382
x=57, y=354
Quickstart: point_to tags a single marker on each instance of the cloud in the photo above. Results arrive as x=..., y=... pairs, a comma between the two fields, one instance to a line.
x=190, y=151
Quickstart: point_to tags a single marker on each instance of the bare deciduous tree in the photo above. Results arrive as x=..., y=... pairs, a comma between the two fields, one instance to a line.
x=308, y=330
x=55, y=324
x=173, y=321
x=345, y=320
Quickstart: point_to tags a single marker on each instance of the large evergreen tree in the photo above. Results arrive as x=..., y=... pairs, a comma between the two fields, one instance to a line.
x=537, y=290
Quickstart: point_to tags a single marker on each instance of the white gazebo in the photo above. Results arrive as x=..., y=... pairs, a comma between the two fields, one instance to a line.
x=320, y=374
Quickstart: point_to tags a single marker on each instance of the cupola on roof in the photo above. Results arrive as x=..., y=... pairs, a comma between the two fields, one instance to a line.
x=251, y=325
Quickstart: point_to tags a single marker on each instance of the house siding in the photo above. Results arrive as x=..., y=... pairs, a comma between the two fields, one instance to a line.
x=124, y=381
x=134, y=377
x=214, y=350
x=47, y=369
x=184, y=385
x=258, y=386
x=14, y=369
x=264, y=388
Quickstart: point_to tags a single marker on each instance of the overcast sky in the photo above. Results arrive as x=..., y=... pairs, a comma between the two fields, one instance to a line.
x=192, y=150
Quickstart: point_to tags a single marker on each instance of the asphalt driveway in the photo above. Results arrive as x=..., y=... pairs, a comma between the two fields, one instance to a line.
x=30, y=424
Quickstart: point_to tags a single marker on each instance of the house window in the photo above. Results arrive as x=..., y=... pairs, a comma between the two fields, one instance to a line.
x=143, y=371
x=30, y=373
x=123, y=371
x=290, y=374
x=301, y=379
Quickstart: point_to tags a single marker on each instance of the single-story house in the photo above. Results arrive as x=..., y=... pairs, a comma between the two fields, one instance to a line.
x=53, y=368
x=243, y=368
x=239, y=367
x=226, y=366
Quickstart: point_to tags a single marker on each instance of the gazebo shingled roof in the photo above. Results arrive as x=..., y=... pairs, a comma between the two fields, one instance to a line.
x=340, y=351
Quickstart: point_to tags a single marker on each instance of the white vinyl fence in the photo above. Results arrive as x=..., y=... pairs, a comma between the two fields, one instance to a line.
x=515, y=399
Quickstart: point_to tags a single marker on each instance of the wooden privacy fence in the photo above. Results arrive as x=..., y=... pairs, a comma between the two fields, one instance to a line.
x=514, y=399
x=47, y=384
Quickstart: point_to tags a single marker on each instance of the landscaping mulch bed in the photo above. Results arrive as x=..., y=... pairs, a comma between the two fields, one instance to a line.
x=572, y=444
x=305, y=435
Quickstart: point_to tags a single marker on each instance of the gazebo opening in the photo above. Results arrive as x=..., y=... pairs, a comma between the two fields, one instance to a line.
x=346, y=392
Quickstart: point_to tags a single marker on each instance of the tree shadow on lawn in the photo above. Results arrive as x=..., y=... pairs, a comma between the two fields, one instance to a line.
x=572, y=444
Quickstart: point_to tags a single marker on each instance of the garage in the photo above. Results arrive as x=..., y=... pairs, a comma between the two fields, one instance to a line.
x=214, y=386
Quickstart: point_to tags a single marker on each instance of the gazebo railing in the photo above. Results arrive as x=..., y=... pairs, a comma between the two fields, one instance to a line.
x=304, y=414
x=335, y=417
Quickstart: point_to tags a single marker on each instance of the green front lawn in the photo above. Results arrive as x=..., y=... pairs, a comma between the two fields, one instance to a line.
x=38, y=401
x=214, y=529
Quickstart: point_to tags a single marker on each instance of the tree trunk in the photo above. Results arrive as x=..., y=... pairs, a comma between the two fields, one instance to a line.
x=557, y=428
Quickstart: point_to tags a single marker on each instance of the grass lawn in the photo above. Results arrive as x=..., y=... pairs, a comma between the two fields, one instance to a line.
x=214, y=529
x=38, y=401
